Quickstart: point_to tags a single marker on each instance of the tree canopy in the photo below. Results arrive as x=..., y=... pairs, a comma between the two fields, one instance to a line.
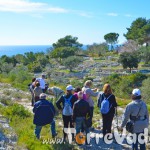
x=129, y=60
x=139, y=31
x=65, y=47
x=111, y=38
x=67, y=41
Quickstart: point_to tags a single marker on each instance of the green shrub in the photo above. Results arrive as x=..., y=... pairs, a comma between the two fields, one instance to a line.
x=17, y=110
x=146, y=90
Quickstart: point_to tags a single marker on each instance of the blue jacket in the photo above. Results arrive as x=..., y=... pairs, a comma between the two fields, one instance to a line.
x=44, y=112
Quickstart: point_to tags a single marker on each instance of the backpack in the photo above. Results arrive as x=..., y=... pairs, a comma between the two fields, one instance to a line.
x=105, y=106
x=67, y=110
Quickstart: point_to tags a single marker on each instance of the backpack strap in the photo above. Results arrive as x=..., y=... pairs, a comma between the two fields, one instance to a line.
x=68, y=99
x=108, y=96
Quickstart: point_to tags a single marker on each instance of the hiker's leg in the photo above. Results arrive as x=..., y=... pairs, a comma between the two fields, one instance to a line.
x=66, y=120
x=104, y=124
x=32, y=99
x=38, y=131
x=53, y=130
x=142, y=146
x=71, y=125
x=109, y=123
x=79, y=121
x=92, y=110
x=87, y=132
x=135, y=145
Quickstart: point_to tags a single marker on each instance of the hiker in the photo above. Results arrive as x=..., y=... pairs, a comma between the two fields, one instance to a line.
x=31, y=88
x=76, y=90
x=81, y=110
x=136, y=111
x=56, y=91
x=37, y=91
x=44, y=113
x=65, y=104
x=89, y=94
x=108, y=107
x=42, y=82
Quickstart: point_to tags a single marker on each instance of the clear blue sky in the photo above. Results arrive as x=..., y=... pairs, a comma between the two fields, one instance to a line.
x=43, y=22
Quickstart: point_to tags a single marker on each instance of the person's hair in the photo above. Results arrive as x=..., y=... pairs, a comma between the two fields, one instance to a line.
x=33, y=79
x=42, y=96
x=136, y=97
x=88, y=83
x=107, y=89
x=43, y=76
x=37, y=84
x=80, y=95
x=77, y=89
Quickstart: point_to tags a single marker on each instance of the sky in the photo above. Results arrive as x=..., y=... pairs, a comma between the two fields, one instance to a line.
x=43, y=22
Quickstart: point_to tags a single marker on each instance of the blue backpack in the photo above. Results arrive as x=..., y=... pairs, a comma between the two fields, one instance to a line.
x=67, y=110
x=105, y=105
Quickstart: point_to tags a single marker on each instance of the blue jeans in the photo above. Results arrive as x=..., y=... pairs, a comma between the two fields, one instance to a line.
x=39, y=128
x=80, y=123
x=135, y=145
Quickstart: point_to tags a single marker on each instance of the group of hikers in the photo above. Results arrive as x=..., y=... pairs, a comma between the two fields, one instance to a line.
x=77, y=107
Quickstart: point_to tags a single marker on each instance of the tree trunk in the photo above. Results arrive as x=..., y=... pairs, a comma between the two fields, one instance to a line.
x=130, y=70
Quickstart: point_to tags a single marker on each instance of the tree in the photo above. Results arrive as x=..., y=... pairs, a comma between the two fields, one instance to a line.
x=98, y=49
x=129, y=60
x=145, y=54
x=63, y=52
x=72, y=62
x=129, y=46
x=29, y=57
x=6, y=67
x=139, y=31
x=67, y=41
x=65, y=47
x=111, y=38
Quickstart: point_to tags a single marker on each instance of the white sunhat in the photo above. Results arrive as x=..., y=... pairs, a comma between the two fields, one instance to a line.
x=69, y=87
x=136, y=92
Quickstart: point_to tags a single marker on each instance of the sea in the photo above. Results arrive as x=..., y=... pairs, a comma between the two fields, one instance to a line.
x=21, y=49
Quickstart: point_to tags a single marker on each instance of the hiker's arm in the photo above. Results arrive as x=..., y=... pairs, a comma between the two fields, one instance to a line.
x=114, y=101
x=99, y=100
x=58, y=103
x=126, y=116
x=35, y=108
x=92, y=93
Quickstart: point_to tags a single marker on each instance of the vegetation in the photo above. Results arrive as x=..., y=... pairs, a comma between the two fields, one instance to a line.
x=72, y=62
x=122, y=85
x=111, y=38
x=139, y=31
x=66, y=54
x=97, y=49
x=129, y=60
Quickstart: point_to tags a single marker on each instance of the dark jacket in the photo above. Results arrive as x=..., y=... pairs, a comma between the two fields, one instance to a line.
x=112, y=102
x=44, y=112
x=61, y=101
x=81, y=109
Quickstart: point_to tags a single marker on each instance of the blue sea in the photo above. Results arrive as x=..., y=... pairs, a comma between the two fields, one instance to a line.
x=21, y=49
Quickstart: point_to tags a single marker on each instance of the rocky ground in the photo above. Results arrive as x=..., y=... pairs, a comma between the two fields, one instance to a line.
x=8, y=139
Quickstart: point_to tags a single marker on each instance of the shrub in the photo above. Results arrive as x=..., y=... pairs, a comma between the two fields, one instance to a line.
x=146, y=90
x=17, y=110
